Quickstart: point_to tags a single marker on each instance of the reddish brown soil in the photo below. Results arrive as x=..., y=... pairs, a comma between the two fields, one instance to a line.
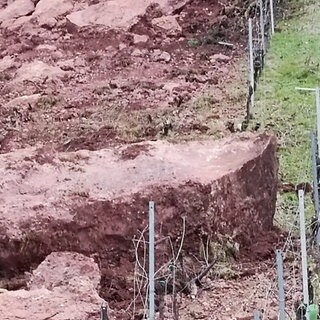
x=109, y=93
x=114, y=92
x=96, y=203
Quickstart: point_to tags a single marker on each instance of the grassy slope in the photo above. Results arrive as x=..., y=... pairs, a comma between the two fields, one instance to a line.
x=292, y=61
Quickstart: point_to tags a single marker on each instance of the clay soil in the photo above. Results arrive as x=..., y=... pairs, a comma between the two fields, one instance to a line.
x=141, y=84
x=119, y=91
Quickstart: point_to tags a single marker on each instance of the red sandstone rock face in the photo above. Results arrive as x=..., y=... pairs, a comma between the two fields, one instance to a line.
x=63, y=287
x=96, y=202
x=119, y=13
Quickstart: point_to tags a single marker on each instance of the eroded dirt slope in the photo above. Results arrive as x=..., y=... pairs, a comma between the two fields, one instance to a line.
x=90, y=75
x=92, y=86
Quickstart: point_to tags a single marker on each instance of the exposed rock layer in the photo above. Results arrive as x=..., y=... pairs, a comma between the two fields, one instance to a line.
x=97, y=201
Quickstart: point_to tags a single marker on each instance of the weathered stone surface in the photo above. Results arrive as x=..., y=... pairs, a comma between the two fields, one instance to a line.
x=78, y=200
x=137, y=38
x=13, y=24
x=48, y=10
x=63, y=269
x=6, y=63
x=64, y=286
x=23, y=101
x=139, y=53
x=37, y=71
x=118, y=13
x=169, y=24
x=219, y=57
x=47, y=23
x=16, y=9
x=159, y=56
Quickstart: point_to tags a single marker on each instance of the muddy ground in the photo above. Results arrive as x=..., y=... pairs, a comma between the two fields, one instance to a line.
x=68, y=83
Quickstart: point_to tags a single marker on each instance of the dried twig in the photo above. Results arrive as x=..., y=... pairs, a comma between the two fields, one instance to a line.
x=50, y=317
x=182, y=239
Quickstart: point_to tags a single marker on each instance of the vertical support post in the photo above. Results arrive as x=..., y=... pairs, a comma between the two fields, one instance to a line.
x=151, y=262
x=314, y=158
x=174, y=294
x=256, y=315
x=262, y=26
x=104, y=312
x=282, y=313
x=318, y=117
x=272, y=16
x=314, y=172
x=303, y=248
x=251, y=61
x=317, y=91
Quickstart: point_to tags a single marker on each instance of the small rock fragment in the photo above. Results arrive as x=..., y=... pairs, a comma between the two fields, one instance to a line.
x=37, y=71
x=66, y=65
x=16, y=9
x=6, y=63
x=64, y=284
x=137, y=38
x=122, y=46
x=219, y=57
x=160, y=56
x=48, y=23
x=23, y=101
x=138, y=53
x=169, y=24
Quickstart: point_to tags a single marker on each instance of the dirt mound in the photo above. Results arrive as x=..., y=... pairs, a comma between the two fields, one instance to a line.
x=63, y=287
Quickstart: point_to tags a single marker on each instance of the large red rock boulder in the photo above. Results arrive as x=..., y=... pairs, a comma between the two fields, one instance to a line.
x=96, y=202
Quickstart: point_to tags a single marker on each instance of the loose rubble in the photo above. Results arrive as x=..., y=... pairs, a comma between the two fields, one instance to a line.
x=104, y=106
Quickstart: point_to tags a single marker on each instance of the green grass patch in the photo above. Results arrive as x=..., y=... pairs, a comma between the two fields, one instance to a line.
x=292, y=61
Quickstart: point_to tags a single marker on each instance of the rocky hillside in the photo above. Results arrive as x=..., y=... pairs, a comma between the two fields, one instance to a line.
x=106, y=105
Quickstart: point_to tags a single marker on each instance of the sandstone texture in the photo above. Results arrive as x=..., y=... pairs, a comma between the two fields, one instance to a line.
x=96, y=202
x=169, y=24
x=52, y=9
x=119, y=13
x=143, y=57
x=63, y=287
x=16, y=9
x=37, y=71
x=6, y=63
x=96, y=98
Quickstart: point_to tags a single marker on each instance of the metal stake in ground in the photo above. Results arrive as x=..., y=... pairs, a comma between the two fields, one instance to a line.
x=256, y=315
x=303, y=248
x=251, y=62
x=315, y=184
x=272, y=16
x=314, y=171
x=104, y=312
x=317, y=91
x=282, y=312
x=262, y=26
x=318, y=116
x=151, y=261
